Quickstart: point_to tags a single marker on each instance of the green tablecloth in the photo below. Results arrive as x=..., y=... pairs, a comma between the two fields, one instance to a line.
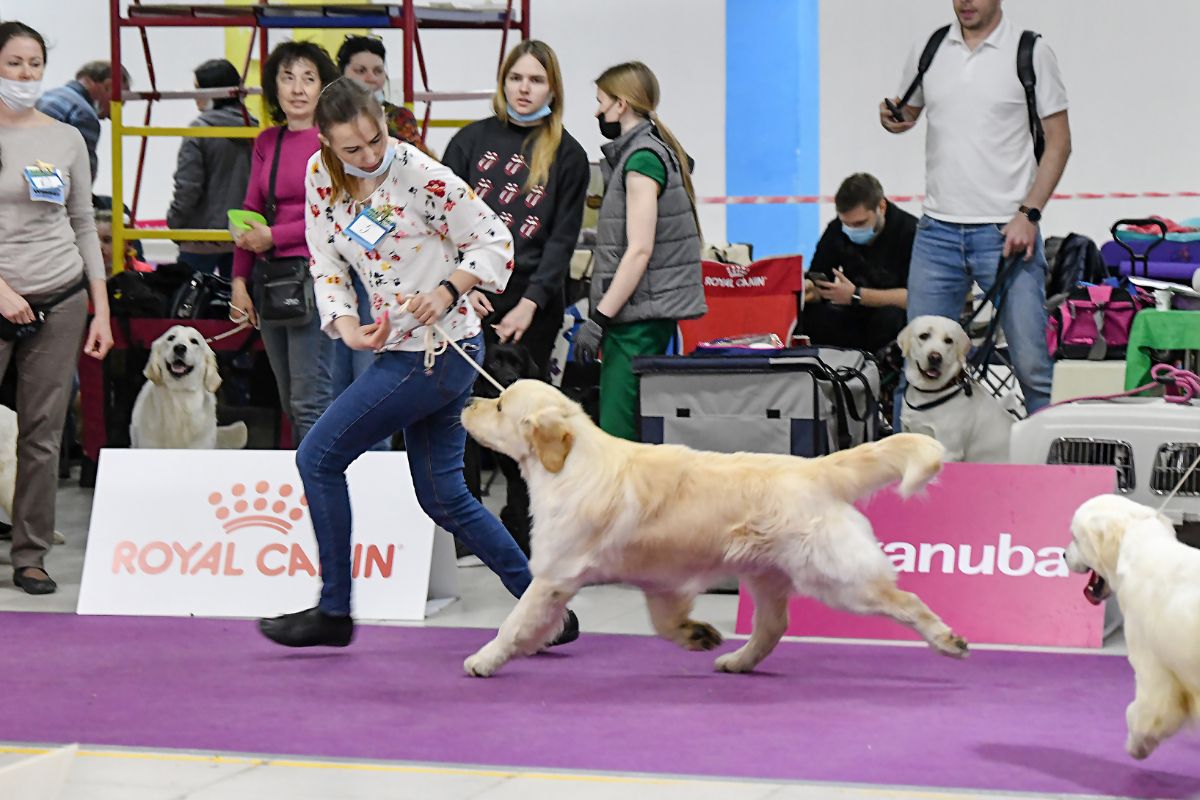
x=1158, y=330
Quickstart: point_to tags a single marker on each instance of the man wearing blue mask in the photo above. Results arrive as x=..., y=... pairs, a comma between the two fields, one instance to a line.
x=854, y=292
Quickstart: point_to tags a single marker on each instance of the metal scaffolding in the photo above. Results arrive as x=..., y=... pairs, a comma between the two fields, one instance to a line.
x=407, y=16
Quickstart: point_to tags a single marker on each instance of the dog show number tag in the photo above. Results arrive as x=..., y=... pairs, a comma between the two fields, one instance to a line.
x=46, y=184
x=369, y=228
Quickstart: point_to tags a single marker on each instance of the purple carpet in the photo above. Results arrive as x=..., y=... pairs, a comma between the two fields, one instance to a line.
x=1001, y=721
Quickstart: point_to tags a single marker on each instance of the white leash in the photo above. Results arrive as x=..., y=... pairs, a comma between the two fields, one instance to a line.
x=434, y=348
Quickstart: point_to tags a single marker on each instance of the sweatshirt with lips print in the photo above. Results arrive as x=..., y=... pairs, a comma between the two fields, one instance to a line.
x=493, y=158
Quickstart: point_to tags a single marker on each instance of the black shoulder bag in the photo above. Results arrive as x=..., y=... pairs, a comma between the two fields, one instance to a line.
x=283, y=288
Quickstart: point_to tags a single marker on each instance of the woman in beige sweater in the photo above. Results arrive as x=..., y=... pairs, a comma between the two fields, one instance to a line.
x=49, y=262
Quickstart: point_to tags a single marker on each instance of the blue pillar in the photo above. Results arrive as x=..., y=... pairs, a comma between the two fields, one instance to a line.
x=772, y=118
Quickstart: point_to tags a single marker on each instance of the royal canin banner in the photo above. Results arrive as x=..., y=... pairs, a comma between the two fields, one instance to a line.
x=226, y=533
x=779, y=275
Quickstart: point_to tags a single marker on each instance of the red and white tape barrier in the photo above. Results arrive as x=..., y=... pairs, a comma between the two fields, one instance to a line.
x=800, y=199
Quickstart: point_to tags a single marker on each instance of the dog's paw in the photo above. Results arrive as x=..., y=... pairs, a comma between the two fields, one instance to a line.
x=733, y=663
x=1140, y=747
x=700, y=636
x=952, y=645
x=479, y=666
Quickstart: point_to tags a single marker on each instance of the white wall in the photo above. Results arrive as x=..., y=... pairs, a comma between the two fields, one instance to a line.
x=1129, y=69
x=683, y=41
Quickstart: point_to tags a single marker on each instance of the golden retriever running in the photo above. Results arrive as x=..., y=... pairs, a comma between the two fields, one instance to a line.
x=1132, y=550
x=672, y=521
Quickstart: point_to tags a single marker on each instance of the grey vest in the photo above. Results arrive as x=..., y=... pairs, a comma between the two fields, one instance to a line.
x=672, y=286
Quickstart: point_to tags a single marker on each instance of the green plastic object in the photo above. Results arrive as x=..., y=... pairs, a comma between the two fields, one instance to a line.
x=240, y=219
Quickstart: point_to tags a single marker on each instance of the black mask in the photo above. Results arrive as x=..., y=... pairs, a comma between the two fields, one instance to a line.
x=609, y=130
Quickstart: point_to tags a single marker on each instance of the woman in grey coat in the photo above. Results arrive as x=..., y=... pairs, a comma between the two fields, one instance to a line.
x=211, y=174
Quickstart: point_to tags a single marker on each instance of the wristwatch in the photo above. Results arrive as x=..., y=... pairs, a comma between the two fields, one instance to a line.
x=856, y=298
x=1034, y=214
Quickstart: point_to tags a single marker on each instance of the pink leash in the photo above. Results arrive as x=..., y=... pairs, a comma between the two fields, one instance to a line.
x=1188, y=383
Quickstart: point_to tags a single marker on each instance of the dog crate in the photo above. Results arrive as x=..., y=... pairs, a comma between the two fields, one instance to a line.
x=1151, y=443
x=799, y=401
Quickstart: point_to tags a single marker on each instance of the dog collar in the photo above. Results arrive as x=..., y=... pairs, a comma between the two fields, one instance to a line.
x=962, y=385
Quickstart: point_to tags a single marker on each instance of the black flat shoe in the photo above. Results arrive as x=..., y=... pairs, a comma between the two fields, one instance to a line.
x=570, y=631
x=44, y=585
x=310, y=628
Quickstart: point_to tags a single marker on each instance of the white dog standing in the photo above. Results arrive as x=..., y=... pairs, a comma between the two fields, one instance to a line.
x=941, y=399
x=177, y=407
x=1132, y=550
x=672, y=520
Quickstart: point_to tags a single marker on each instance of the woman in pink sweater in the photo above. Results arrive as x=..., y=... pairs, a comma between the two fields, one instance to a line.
x=300, y=354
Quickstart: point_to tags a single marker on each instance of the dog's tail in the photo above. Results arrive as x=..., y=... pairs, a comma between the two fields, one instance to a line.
x=911, y=458
x=232, y=436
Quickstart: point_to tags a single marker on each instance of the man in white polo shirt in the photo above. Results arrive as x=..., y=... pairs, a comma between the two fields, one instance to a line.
x=984, y=188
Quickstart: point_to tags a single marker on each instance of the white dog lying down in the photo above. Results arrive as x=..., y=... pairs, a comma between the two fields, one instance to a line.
x=176, y=408
x=672, y=521
x=942, y=402
x=1132, y=550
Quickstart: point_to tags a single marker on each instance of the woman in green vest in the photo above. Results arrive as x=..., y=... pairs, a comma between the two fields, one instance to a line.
x=646, y=273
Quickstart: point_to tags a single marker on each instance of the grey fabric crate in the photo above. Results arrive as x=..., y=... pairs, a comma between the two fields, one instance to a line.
x=804, y=401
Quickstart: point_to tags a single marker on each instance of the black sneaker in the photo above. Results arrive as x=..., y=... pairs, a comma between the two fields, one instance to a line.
x=570, y=631
x=309, y=628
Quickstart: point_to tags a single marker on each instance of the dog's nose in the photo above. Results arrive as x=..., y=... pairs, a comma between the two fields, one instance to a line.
x=180, y=349
x=935, y=358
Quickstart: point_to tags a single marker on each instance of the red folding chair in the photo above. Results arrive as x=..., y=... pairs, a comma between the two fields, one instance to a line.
x=756, y=298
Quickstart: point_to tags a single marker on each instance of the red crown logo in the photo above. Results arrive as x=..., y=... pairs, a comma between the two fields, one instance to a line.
x=276, y=511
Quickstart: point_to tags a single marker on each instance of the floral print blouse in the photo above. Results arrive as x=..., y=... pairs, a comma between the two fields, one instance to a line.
x=438, y=226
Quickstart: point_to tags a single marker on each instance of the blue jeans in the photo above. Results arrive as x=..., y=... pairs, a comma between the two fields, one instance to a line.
x=300, y=357
x=947, y=256
x=348, y=364
x=395, y=393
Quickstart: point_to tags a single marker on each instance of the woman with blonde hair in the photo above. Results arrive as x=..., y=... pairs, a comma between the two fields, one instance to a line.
x=646, y=275
x=534, y=175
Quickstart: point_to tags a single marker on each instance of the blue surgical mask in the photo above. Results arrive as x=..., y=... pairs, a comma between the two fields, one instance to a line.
x=532, y=116
x=375, y=173
x=862, y=235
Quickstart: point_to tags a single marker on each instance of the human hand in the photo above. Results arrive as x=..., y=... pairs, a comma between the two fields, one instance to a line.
x=257, y=240
x=99, y=339
x=888, y=121
x=587, y=341
x=1020, y=235
x=839, y=291
x=429, y=307
x=14, y=307
x=516, y=321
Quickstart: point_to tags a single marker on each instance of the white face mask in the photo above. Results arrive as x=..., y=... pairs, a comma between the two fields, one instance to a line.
x=20, y=95
x=375, y=173
x=380, y=95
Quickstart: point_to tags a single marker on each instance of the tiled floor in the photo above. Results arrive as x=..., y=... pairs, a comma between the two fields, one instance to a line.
x=112, y=774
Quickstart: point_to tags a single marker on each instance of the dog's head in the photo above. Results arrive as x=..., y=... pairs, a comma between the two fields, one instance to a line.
x=180, y=359
x=935, y=351
x=530, y=421
x=1098, y=530
x=508, y=363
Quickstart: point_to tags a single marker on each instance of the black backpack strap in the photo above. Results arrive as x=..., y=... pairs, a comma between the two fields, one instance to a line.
x=931, y=48
x=1029, y=82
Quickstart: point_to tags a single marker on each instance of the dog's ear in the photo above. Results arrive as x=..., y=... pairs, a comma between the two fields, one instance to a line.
x=904, y=339
x=550, y=437
x=154, y=365
x=962, y=346
x=212, y=375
